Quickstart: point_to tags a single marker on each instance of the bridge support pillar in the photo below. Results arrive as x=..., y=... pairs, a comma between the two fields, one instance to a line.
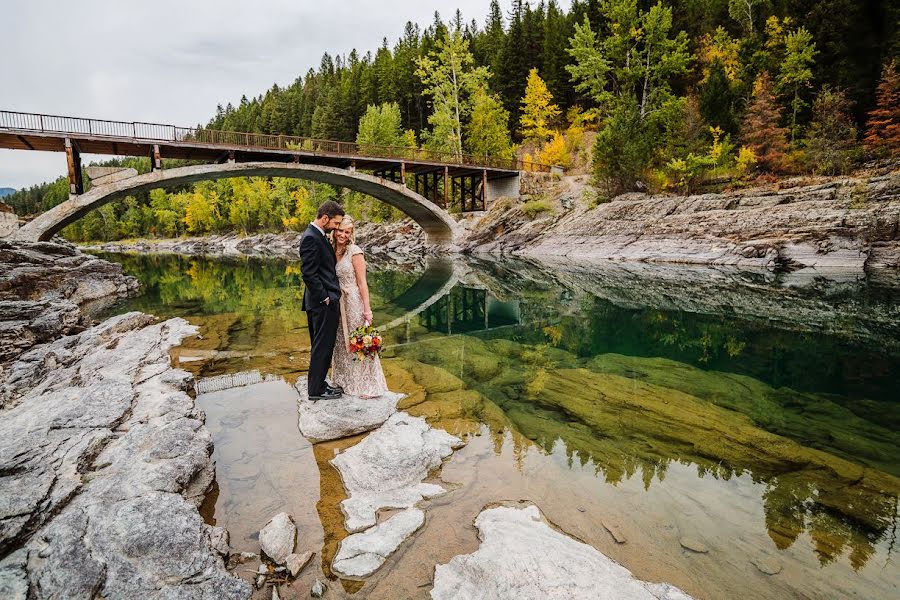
x=446, y=187
x=155, y=160
x=73, y=159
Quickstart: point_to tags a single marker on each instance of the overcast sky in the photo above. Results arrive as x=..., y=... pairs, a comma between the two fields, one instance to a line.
x=172, y=62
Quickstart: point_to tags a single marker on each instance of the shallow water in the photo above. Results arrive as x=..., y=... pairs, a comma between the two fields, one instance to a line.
x=750, y=415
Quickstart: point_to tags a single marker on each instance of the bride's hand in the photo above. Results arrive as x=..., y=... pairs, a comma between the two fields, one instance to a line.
x=367, y=315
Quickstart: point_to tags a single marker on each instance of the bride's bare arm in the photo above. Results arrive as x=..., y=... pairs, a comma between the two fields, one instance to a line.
x=359, y=268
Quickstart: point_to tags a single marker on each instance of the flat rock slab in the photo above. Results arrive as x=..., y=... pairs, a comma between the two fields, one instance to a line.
x=522, y=557
x=104, y=459
x=387, y=468
x=361, y=554
x=343, y=417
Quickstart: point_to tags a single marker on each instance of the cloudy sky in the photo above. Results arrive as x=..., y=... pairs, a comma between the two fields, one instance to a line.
x=172, y=62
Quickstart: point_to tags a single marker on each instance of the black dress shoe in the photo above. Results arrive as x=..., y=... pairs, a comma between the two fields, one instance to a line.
x=326, y=395
x=334, y=388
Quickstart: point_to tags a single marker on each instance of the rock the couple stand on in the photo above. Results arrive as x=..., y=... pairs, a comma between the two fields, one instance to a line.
x=336, y=301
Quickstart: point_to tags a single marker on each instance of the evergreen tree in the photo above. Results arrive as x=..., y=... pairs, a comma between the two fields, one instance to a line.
x=832, y=134
x=883, y=127
x=538, y=109
x=718, y=98
x=761, y=131
x=796, y=73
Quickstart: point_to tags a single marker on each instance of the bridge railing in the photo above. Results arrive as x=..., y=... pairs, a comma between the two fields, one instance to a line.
x=156, y=132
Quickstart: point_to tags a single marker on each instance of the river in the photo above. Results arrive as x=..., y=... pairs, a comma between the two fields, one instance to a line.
x=734, y=433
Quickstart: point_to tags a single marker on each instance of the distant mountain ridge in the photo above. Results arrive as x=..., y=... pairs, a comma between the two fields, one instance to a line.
x=6, y=191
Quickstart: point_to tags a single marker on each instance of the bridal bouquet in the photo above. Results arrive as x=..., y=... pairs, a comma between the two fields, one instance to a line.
x=365, y=342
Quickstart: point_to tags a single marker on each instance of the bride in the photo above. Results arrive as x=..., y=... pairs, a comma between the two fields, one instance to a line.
x=363, y=378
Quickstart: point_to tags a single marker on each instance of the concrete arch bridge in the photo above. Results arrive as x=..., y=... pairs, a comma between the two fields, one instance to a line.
x=422, y=184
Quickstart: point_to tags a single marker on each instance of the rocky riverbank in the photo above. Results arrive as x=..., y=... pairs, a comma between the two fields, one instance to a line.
x=844, y=223
x=399, y=242
x=103, y=457
x=850, y=223
x=48, y=288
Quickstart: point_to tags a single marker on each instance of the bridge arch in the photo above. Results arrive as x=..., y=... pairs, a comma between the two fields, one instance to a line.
x=439, y=227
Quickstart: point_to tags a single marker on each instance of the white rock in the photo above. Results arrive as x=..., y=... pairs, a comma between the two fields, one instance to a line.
x=362, y=553
x=318, y=589
x=524, y=558
x=278, y=537
x=345, y=416
x=296, y=562
x=386, y=469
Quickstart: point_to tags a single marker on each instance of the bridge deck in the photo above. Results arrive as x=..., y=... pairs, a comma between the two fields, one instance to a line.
x=27, y=131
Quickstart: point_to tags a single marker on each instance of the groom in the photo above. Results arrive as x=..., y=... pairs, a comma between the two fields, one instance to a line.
x=321, y=296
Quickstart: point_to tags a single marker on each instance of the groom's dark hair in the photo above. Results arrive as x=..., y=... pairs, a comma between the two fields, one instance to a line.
x=330, y=208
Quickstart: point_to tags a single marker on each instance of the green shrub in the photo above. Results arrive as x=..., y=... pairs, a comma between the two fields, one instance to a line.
x=533, y=208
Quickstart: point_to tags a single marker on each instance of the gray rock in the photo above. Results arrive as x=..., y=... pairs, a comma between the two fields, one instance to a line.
x=329, y=420
x=103, y=456
x=387, y=468
x=218, y=539
x=318, y=589
x=44, y=285
x=520, y=551
x=296, y=562
x=278, y=537
x=361, y=554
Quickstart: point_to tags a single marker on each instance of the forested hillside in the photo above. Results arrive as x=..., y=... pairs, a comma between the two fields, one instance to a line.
x=676, y=92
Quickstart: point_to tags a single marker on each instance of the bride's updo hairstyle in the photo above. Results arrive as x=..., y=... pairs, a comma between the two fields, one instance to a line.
x=345, y=222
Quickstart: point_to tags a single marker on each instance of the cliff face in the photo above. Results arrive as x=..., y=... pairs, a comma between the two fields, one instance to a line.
x=849, y=223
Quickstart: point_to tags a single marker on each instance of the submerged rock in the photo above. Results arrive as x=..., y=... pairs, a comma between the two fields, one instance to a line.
x=361, y=554
x=346, y=416
x=278, y=537
x=104, y=460
x=387, y=468
x=521, y=556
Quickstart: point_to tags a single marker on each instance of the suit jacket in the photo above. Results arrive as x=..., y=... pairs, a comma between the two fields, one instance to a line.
x=318, y=270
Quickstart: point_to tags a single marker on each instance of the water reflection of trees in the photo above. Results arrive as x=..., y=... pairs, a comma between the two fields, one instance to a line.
x=627, y=418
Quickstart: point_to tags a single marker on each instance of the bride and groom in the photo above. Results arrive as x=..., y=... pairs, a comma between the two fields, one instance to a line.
x=336, y=301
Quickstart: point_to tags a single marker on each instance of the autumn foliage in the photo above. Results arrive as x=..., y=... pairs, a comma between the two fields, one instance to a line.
x=761, y=131
x=883, y=128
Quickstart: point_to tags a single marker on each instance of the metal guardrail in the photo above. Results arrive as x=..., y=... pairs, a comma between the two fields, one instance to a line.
x=156, y=133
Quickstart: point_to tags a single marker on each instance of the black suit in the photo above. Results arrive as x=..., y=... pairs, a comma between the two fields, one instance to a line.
x=321, y=282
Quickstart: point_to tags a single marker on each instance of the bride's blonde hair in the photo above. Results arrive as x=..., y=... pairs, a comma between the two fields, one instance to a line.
x=347, y=220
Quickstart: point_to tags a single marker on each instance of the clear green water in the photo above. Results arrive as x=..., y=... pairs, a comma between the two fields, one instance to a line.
x=756, y=413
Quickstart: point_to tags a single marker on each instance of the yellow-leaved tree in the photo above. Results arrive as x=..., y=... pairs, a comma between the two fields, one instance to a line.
x=538, y=110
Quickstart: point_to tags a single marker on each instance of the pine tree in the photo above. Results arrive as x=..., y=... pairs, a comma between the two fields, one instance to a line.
x=883, y=127
x=762, y=133
x=538, y=110
x=718, y=98
x=832, y=134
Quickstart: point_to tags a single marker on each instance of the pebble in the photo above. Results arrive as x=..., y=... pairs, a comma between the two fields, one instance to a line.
x=318, y=589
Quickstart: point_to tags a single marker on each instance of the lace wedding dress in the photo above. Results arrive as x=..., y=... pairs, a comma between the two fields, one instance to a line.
x=357, y=377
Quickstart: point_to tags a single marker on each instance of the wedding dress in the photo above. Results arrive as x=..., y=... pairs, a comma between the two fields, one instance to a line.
x=357, y=377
